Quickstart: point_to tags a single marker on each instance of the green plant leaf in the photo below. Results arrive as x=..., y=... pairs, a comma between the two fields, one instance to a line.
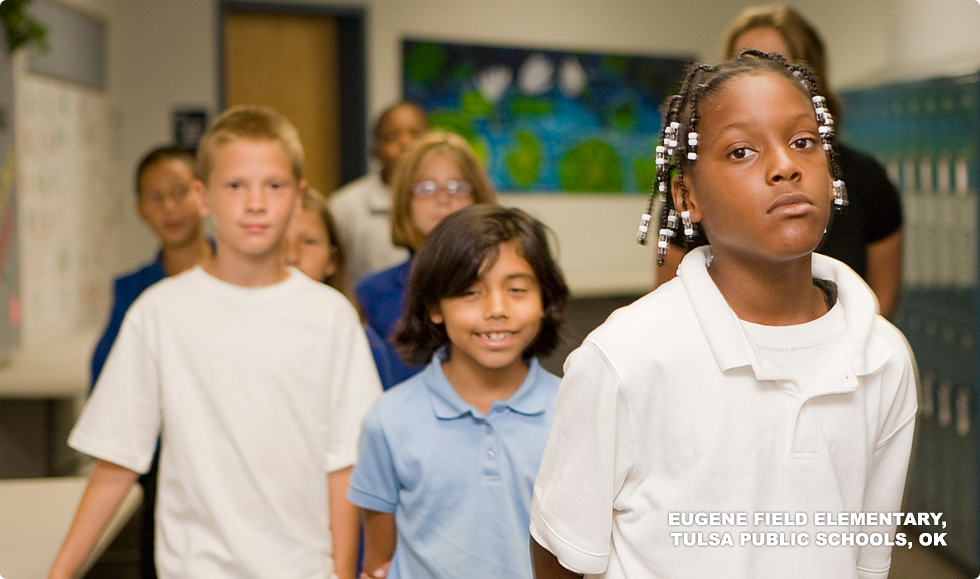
x=20, y=28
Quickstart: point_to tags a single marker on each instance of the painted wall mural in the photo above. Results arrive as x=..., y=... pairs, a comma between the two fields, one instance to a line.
x=546, y=120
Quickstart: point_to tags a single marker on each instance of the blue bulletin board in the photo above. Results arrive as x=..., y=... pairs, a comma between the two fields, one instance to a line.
x=547, y=120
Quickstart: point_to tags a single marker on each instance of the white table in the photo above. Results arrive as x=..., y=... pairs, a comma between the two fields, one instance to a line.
x=41, y=390
x=34, y=517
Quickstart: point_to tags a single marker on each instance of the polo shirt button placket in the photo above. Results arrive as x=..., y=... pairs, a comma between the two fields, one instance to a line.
x=491, y=469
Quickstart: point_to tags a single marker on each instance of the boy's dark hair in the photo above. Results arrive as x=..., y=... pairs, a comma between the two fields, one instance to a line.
x=158, y=154
x=379, y=122
x=456, y=254
x=677, y=151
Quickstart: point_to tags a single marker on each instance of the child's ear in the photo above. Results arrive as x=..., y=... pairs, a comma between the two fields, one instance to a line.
x=435, y=314
x=301, y=187
x=141, y=211
x=692, y=199
x=200, y=190
x=331, y=268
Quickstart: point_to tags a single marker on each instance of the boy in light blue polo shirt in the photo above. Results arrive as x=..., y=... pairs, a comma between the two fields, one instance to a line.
x=447, y=459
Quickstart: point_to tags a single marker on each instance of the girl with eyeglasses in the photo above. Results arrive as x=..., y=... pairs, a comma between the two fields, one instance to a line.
x=437, y=176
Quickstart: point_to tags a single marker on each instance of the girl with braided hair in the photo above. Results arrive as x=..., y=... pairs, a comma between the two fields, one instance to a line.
x=759, y=380
x=867, y=235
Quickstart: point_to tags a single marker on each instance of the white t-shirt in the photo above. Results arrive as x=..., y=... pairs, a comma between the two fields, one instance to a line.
x=669, y=407
x=256, y=394
x=362, y=209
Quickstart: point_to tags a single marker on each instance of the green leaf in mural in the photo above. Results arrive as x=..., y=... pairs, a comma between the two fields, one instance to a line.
x=614, y=64
x=591, y=167
x=424, y=62
x=476, y=104
x=462, y=71
x=461, y=124
x=454, y=122
x=524, y=161
x=624, y=116
x=530, y=107
x=646, y=172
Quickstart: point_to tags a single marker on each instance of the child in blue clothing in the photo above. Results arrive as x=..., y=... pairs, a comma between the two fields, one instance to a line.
x=163, y=182
x=437, y=175
x=312, y=245
x=447, y=459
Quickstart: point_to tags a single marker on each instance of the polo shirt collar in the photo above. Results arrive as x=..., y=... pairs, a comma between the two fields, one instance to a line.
x=865, y=351
x=448, y=405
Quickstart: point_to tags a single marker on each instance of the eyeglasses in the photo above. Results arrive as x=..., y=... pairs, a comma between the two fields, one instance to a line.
x=428, y=188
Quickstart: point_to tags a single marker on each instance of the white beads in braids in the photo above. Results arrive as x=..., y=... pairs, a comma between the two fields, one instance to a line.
x=666, y=234
x=688, y=224
x=641, y=235
x=692, y=146
x=840, y=194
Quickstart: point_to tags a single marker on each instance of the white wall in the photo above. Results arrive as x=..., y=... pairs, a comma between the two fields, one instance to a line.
x=166, y=56
x=933, y=37
x=163, y=55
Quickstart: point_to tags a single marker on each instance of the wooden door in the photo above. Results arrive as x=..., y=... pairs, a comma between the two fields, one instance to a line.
x=290, y=63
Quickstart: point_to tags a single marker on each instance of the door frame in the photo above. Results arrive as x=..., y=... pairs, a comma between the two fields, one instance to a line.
x=352, y=71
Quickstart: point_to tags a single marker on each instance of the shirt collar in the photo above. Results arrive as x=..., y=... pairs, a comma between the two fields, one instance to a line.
x=731, y=347
x=379, y=195
x=448, y=405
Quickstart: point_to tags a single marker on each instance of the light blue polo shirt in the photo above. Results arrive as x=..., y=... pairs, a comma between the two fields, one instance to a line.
x=458, y=481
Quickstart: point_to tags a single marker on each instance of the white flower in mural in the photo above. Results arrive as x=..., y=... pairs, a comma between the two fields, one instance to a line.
x=571, y=77
x=493, y=82
x=535, y=76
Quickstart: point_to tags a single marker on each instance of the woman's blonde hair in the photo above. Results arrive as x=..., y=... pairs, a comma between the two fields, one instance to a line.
x=404, y=232
x=801, y=37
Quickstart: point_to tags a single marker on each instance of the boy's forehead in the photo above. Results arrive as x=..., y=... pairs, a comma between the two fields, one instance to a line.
x=405, y=113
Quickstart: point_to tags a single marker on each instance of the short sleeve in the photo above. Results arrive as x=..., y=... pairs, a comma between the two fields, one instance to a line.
x=374, y=482
x=893, y=448
x=354, y=385
x=121, y=420
x=880, y=203
x=585, y=464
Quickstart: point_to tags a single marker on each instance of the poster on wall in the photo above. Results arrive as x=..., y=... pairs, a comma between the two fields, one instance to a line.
x=546, y=121
x=9, y=279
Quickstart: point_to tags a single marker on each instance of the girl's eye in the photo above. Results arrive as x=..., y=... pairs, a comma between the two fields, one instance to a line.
x=518, y=290
x=235, y=185
x=740, y=153
x=804, y=142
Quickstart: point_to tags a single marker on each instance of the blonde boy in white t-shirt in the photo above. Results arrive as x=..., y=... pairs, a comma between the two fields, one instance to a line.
x=255, y=377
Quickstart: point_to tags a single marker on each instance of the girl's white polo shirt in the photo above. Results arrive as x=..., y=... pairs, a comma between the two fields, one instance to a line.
x=669, y=408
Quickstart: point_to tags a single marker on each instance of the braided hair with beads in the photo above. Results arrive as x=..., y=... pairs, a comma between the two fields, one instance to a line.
x=675, y=156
